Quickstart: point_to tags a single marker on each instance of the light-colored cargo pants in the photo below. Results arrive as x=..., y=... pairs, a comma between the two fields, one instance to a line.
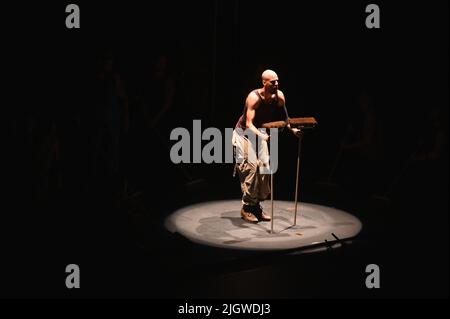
x=252, y=155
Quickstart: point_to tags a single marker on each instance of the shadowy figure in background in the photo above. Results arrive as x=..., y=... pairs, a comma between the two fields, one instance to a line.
x=361, y=148
x=195, y=91
x=426, y=165
x=150, y=121
x=111, y=116
x=47, y=147
x=158, y=92
x=433, y=143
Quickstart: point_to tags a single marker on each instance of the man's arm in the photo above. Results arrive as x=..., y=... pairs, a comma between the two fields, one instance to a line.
x=281, y=99
x=282, y=102
x=252, y=106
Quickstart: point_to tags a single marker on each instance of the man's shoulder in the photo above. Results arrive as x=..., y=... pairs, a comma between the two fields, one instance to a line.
x=282, y=100
x=253, y=97
x=253, y=94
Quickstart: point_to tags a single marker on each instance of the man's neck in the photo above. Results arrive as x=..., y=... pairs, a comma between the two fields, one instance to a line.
x=268, y=96
x=264, y=93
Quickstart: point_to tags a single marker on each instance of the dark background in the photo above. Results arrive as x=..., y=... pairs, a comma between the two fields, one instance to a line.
x=65, y=205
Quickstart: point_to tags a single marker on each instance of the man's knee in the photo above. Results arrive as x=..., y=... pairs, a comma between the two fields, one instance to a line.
x=247, y=168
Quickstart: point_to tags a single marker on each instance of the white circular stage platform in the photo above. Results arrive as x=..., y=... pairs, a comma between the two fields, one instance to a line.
x=220, y=224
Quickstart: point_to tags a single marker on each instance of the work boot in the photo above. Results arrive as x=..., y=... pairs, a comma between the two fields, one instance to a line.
x=248, y=215
x=261, y=215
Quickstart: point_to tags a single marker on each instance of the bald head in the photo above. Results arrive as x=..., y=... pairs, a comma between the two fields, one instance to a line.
x=268, y=75
x=270, y=81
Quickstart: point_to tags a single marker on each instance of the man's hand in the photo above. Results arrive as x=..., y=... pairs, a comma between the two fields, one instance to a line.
x=297, y=132
x=265, y=137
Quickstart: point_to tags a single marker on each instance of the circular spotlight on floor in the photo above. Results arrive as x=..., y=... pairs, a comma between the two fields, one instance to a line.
x=219, y=224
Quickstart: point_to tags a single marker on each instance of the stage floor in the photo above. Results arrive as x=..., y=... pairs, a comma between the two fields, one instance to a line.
x=219, y=224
